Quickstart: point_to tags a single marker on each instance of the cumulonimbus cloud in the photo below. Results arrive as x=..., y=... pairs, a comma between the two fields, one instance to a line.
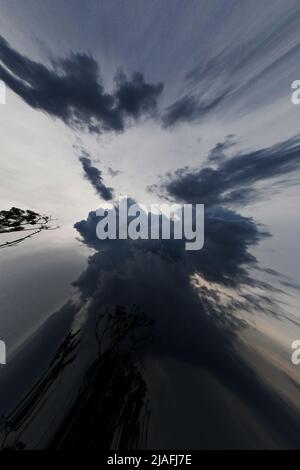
x=223, y=259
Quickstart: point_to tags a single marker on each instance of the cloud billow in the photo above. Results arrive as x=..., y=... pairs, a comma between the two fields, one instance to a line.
x=73, y=90
x=224, y=258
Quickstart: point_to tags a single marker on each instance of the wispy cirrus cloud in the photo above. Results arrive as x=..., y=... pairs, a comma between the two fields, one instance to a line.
x=191, y=108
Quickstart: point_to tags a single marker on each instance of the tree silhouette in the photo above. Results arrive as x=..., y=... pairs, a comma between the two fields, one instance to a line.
x=111, y=410
x=12, y=424
x=18, y=220
x=112, y=405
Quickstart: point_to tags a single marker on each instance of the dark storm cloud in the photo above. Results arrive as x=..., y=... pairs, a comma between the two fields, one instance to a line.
x=190, y=108
x=116, y=274
x=72, y=90
x=94, y=176
x=188, y=321
x=234, y=180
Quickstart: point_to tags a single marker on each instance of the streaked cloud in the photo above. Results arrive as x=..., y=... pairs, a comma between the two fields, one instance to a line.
x=234, y=181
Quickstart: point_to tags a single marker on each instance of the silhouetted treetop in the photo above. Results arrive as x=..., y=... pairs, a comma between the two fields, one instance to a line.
x=19, y=220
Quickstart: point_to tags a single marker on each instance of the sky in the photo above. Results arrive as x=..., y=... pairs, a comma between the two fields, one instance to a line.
x=177, y=101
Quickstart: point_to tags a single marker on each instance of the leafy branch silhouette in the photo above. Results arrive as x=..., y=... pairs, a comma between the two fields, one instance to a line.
x=18, y=220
